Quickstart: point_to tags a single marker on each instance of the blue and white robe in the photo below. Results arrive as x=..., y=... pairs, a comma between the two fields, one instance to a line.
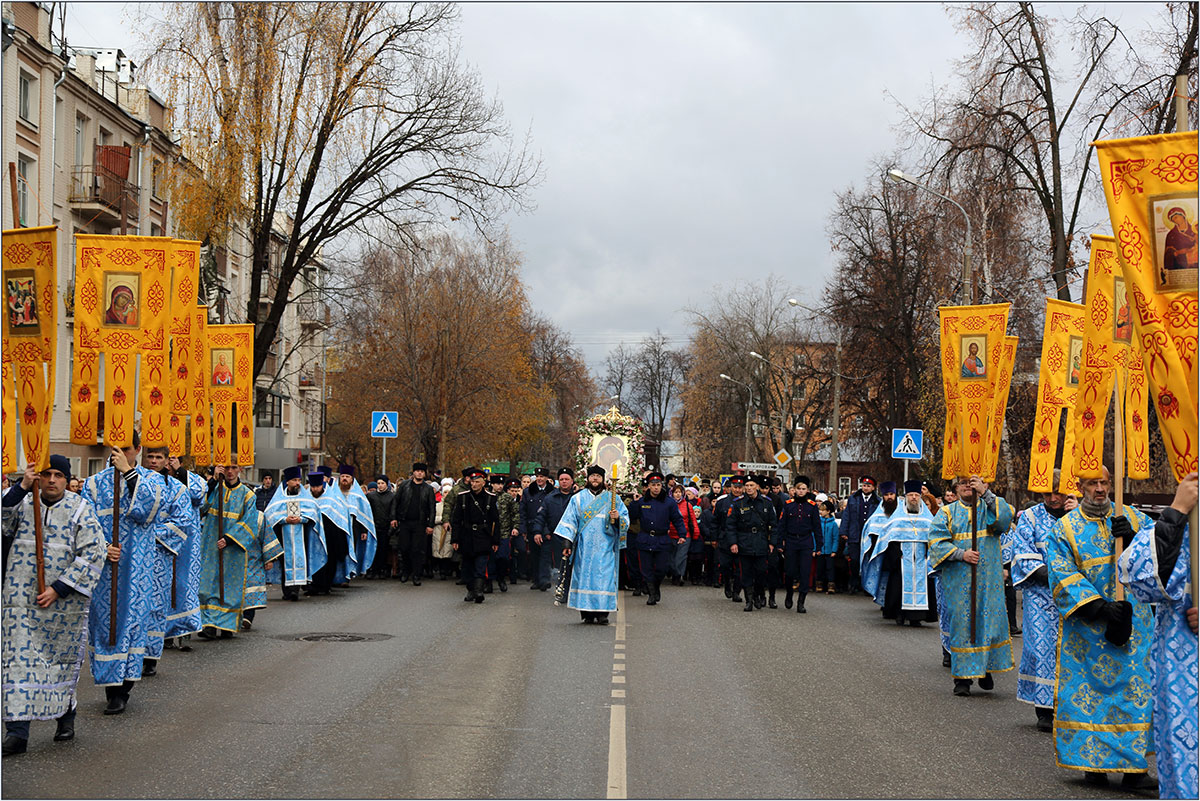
x=121, y=662
x=174, y=529
x=304, y=550
x=362, y=518
x=43, y=649
x=597, y=544
x=263, y=547
x=338, y=523
x=991, y=651
x=912, y=532
x=871, y=532
x=1103, y=698
x=184, y=617
x=240, y=529
x=1039, y=640
x=1174, y=656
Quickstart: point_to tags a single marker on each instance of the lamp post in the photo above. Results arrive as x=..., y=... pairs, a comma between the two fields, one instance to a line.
x=783, y=418
x=968, y=288
x=749, y=406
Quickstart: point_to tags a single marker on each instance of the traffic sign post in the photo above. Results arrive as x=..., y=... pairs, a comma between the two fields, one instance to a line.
x=385, y=426
x=907, y=444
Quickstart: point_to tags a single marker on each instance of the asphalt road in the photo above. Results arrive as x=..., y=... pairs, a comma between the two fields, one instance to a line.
x=515, y=699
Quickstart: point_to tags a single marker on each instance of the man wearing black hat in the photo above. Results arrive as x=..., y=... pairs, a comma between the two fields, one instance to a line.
x=858, y=511
x=45, y=632
x=381, y=500
x=508, y=493
x=412, y=520
x=553, y=506
x=475, y=531
x=750, y=532
x=536, y=540
x=726, y=562
x=797, y=530
x=899, y=577
x=448, y=502
x=339, y=534
x=296, y=520
x=655, y=512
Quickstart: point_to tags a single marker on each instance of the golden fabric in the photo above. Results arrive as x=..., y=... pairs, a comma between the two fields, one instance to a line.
x=122, y=288
x=1008, y=360
x=198, y=405
x=972, y=344
x=185, y=279
x=30, y=338
x=1062, y=341
x=1150, y=184
x=230, y=364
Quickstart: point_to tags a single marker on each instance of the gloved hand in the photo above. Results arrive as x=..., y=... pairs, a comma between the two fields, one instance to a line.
x=1122, y=530
x=1120, y=622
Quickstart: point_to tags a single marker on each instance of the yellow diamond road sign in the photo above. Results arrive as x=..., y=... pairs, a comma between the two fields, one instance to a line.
x=782, y=457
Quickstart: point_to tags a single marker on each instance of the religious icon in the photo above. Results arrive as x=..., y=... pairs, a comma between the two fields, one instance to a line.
x=973, y=351
x=20, y=302
x=608, y=450
x=222, y=367
x=121, y=300
x=1122, y=322
x=1175, y=250
x=293, y=508
x=1074, y=361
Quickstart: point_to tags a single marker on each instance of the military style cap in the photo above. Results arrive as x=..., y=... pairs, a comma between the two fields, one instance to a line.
x=653, y=475
x=566, y=471
x=595, y=470
x=541, y=471
x=473, y=472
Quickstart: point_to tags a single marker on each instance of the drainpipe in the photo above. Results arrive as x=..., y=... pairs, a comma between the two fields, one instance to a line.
x=54, y=141
x=141, y=167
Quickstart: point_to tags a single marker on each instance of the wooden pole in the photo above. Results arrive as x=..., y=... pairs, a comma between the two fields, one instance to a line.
x=1118, y=480
x=116, y=540
x=1181, y=124
x=974, y=568
x=221, y=536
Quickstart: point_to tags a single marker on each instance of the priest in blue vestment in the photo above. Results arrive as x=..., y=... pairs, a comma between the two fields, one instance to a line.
x=116, y=666
x=183, y=616
x=362, y=520
x=950, y=552
x=225, y=548
x=338, y=528
x=1155, y=568
x=595, y=523
x=1103, y=699
x=293, y=515
x=897, y=573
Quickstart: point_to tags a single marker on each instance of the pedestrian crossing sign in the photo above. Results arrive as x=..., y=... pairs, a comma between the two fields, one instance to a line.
x=907, y=443
x=385, y=424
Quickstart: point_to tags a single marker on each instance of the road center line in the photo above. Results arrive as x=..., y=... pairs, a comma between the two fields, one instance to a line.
x=616, y=717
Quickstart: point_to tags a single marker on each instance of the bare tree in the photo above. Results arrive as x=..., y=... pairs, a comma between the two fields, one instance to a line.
x=657, y=373
x=326, y=120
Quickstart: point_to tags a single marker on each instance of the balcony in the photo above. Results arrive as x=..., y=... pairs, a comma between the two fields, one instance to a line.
x=103, y=196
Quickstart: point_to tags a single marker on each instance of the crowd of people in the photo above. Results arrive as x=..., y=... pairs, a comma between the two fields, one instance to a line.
x=1113, y=676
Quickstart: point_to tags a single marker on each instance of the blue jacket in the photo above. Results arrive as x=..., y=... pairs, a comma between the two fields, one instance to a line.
x=530, y=506
x=855, y=515
x=799, y=524
x=829, y=536
x=553, y=506
x=720, y=512
x=656, y=516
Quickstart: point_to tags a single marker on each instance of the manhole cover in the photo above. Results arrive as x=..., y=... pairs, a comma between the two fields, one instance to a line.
x=333, y=636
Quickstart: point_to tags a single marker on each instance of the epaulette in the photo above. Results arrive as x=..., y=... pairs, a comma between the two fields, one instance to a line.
x=464, y=491
x=789, y=500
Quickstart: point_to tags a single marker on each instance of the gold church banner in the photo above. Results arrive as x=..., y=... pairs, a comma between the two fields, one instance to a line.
x=230, y=364
x=197, y=401
x=122, y=288
x=185, y=280
x=1150, y=184
x=1008, y=360
x=160, y=424
x=1058, y=382
x=972, y=340
x=30, y=339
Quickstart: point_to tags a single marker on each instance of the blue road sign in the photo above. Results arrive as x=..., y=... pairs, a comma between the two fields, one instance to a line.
x=907, y=443
x=385, y=424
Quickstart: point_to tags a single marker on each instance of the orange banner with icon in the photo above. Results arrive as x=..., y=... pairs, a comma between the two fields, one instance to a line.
x=1058, y=382
x=1150, y=184
x=972, y=342
x=30, y=339
x=230, y=363
x=198, y=404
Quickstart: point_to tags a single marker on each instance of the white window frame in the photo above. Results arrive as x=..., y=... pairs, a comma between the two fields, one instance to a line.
x=81, y=123
x=26, y=167
x=843, y=486
x=26, y=97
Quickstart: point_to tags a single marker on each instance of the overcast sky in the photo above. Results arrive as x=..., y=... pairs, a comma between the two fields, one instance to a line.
x=684, y=145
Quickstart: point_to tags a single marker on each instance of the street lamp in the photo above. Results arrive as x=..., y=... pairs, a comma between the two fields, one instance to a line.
x=749, y=406
x=783, y=419
x=967, y=293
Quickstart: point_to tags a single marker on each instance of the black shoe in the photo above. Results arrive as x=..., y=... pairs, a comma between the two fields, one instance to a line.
x=226, y=635
x=1015, y=631
x=636, y=593
x=116, y=705
x=962, y=686
x=534, y=586
x=945, y=658
x=502, y=584
x=544, y=587
x=771, y=601
x=749, y=607
x=64, y=732
x=470, y=596
x=14, y=745
x=915, y=623
x=1045, y=719
x=1095, y=778
x=487, y=587
x=207, y=633
x=148, y=667
x=800, y=610
x=1136, y=781
x=478, y=591
x=899, y=620
x=728, y=592
x=403, y=577
x=737, y=598
x=787, y=600
x=602, y=619
x=986, y=683
x=461, y=582
x=650, y=600
x=416, y=582
x=759, y=602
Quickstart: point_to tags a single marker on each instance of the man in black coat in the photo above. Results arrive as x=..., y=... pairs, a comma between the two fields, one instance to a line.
x=553, y=505
x=859, y=509
x=537, y=542
x=412, y=519
x=798, y=528
x=381, y=499
x=475, y=531
x=264, y=494
x=750, y=532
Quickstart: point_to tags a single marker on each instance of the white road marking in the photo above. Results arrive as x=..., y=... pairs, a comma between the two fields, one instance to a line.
x=616, y=714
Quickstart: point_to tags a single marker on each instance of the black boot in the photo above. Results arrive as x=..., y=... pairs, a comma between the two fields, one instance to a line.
x=502, y=584
x=771, y=601
x=149, y=667
x=962, y=686
x=737, y=597
x=728, y=590
x=787, y=599
x=749, y=607
x=487, y=586
x=14, y=745
x=470, y=596
x=478, y=591
x=986, y=683
x=116, y=701
x=800, y=603
x=1045, y=718
x=657, y=590
x=945, y=658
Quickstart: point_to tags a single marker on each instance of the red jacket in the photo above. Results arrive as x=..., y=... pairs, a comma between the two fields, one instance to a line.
x=689, y=521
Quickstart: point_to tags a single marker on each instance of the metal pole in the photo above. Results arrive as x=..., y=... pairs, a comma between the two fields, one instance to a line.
x=1181, y=124
x=1181, y=118
x=749, y=406
x=384, y=470
x=835, y=429
x=906, y=471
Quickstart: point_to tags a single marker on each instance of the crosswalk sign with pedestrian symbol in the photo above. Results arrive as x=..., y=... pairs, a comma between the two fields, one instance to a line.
x=907, y=443
x=385, y=424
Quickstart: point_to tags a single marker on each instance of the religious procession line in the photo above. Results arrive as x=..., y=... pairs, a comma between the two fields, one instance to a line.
x=616, y=710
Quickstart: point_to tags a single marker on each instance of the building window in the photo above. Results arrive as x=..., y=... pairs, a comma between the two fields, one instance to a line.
x=80, y=140
x=94, y=466
x=26, y=97
x=843, y=486
x=24, y=171
x=103, y=138
x=156, y=178
x=268, y=410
